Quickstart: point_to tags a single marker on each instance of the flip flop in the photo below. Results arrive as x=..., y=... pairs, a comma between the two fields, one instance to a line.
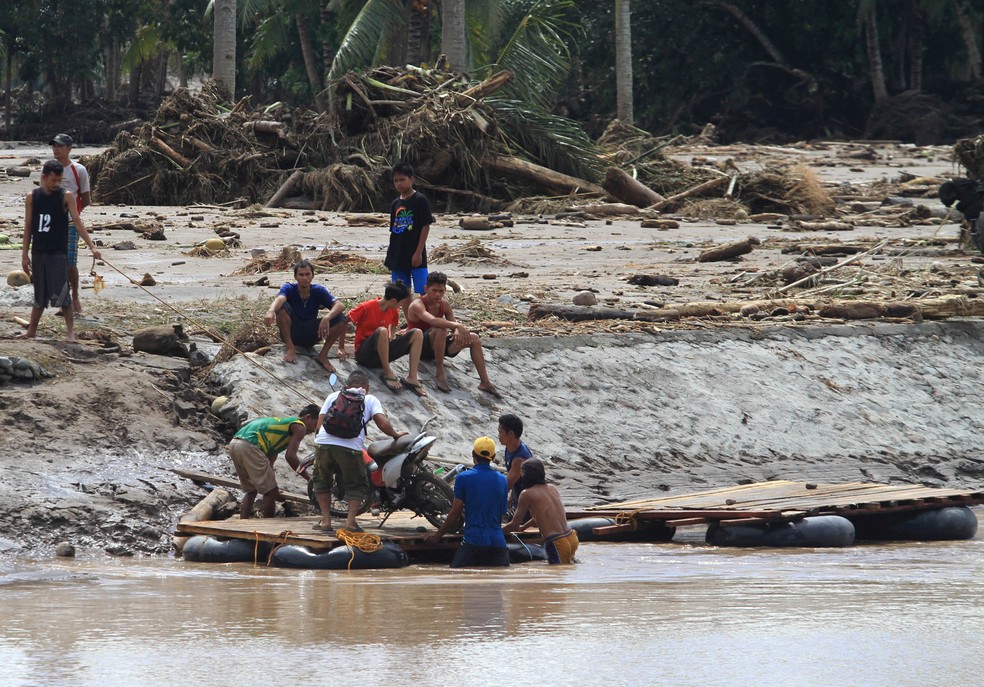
x=443, y=386
x=327, y=529
x=392, y=383
x=415, y=388
x=352, y=529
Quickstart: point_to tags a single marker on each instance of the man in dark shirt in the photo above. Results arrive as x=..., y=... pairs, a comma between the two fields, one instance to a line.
x=479, y=493
x=295, y=310
x=46, y=214
x=410, y=220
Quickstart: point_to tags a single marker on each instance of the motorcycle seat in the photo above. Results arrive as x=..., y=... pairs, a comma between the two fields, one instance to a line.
x=387, y=448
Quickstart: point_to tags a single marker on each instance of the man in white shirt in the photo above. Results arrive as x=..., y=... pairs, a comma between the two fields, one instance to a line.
x=74, y=179
x=340, y=450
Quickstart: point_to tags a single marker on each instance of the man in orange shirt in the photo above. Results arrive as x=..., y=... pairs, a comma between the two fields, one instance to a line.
x=377, y=342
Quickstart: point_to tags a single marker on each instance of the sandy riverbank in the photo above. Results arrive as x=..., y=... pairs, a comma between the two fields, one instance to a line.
x=616, y=416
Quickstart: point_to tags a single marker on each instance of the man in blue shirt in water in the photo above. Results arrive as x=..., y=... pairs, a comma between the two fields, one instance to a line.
x=479, y=493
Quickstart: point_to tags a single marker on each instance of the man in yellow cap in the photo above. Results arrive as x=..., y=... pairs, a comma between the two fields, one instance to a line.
x=479, y=493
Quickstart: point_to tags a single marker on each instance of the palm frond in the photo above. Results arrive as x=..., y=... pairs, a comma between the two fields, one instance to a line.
x=485, y=22
x=537, y=52
x=548, y=139
x=270, y=37
x=146, y=45
x=361, y=42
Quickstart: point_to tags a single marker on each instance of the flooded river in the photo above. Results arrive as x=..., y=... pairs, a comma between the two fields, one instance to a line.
x=629, y=614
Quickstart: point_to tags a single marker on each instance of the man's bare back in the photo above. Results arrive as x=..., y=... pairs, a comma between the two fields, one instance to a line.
x=543, y=502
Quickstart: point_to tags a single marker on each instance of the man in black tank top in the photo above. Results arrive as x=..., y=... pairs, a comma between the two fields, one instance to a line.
x=45, y=252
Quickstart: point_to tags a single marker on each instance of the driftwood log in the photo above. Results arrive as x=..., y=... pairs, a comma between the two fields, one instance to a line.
x=605, y=209
x=629, y=190
x=475, y=224
x=695, y=191
x=169, y=152
x=487, y=87
x=825, y=248
x=829, y=225
x=584, y=313
x=203, y=510
x=548, y=179
x=930, y=308
x=729, y=250
x=277, y=198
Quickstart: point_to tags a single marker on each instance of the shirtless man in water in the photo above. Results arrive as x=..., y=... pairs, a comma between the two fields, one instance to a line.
x=542, y=500
x=444, y=336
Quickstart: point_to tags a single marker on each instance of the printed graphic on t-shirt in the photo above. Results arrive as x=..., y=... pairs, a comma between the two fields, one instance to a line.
x=403, y=220
x=44, y=223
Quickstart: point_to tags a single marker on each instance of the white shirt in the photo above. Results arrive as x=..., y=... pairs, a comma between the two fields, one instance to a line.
x=373, y=407
x=68, y=179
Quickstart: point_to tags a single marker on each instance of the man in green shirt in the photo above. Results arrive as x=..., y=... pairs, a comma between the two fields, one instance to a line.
x=255, y=448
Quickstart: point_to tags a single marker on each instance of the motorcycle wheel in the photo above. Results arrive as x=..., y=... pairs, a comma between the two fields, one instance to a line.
x=433, y=497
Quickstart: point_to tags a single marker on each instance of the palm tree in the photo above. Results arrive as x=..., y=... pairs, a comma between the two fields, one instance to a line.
x=453, y=42
x=867, y=13
x=623, y=60
x=224, y=45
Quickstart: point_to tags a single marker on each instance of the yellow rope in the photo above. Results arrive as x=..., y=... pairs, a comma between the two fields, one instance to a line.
x=203, y=327
x=629, y=518
x=363, y=541
x=284, y=536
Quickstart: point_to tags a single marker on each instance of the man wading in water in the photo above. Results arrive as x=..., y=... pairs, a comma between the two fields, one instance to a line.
x=543, y=501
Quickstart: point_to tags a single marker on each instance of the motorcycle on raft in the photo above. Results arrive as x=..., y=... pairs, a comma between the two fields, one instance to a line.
x=399, y=479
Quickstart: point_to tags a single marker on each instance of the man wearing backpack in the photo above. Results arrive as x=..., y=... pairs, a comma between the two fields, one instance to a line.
x=338, y=447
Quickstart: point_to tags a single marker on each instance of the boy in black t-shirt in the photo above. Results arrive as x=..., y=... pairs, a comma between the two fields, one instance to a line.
x=410, y=220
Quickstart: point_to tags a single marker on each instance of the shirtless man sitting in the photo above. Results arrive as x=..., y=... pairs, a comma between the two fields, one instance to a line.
x=542, y=500
x=444, y=336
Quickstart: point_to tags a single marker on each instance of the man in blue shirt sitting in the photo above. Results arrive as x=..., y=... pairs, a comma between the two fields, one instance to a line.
x=295, y=310
x=479, y=493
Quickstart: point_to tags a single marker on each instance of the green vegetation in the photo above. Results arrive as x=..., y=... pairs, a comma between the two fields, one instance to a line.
x=904, y=68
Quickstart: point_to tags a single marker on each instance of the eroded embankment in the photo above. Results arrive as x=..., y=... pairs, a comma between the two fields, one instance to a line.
x=624, y=417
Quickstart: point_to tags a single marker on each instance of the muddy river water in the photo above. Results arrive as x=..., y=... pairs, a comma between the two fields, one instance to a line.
x=630, y=614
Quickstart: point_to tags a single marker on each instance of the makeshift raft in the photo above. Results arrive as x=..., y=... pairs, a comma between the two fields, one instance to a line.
x=783, y=513
x=777, y=513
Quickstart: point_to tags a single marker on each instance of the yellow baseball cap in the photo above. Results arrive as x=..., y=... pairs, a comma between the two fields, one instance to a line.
x=484, y=447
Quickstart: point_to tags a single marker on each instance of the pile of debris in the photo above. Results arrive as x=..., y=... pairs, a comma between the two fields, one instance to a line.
x=471, y=149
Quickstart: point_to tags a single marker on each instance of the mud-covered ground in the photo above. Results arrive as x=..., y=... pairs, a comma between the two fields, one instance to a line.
x=88, y=452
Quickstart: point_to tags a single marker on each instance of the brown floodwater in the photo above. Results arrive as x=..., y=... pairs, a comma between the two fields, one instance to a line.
x=628, y=614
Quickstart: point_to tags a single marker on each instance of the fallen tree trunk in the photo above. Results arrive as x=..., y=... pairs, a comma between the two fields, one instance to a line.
x=554, y=182
x=729, y=250
x=695, y=191
x=277, y=198
x=629, y=190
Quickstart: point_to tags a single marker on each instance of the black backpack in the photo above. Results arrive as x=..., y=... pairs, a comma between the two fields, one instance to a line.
x=344, y=418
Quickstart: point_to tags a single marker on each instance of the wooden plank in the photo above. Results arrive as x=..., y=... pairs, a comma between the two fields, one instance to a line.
x=685, y=522
x=221, y=481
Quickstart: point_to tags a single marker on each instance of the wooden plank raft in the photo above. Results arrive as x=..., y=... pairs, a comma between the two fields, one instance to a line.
x=778, y=500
